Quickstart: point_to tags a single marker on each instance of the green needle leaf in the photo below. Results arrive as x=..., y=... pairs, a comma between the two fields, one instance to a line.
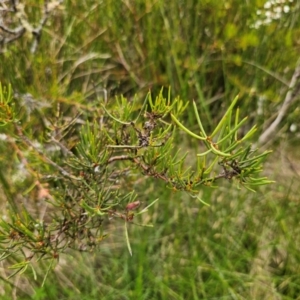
x=225, y=117
x=127, y=239
x=187, y=130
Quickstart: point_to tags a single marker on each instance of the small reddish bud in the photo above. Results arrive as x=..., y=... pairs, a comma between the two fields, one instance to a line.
x=133, y=205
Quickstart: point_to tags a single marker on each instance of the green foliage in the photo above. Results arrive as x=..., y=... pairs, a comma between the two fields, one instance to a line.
x=63, y=178
x=229, y=150
x=7, y=112
x=208, y=51
x=94, y=181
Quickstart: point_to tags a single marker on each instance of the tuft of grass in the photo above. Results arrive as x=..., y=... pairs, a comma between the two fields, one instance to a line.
x=207, y=52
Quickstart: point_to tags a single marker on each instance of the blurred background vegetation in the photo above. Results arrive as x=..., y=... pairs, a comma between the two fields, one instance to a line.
x=245, y=245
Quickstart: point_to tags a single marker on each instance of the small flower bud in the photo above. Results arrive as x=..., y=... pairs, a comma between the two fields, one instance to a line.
x=133, y=205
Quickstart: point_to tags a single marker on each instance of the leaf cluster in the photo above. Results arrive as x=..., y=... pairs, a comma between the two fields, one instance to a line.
x=85, y=185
